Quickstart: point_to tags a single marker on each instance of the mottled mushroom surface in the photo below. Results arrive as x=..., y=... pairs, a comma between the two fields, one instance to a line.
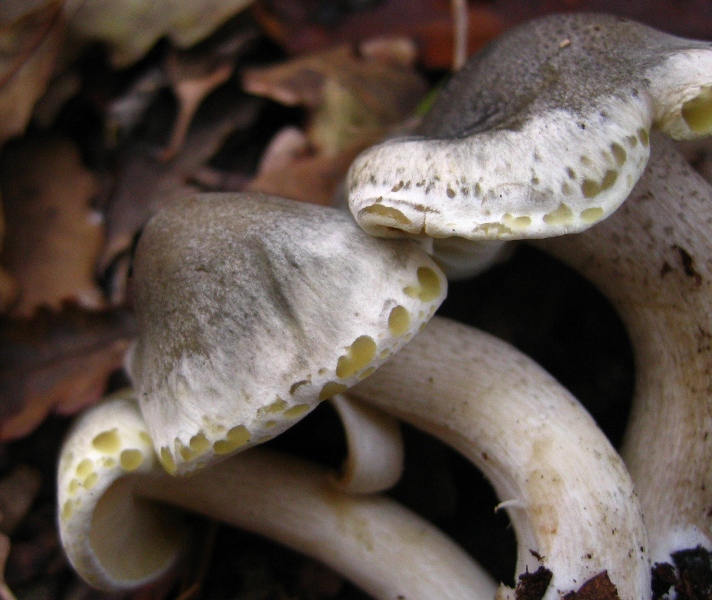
x=252, y=309
x=542, y=133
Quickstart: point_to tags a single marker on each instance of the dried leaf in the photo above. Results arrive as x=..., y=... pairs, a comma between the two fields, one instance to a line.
x=5, y=592
x=130, y=27
x=9, y=288
x=353, y=96
x=57, y=361
x=53, y=236
x=307, y=178
x=30, y=38
x=18, y=491
x=428, y=22
x=145, y=183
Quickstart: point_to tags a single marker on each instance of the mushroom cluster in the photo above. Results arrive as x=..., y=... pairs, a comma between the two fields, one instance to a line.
x=253, y=309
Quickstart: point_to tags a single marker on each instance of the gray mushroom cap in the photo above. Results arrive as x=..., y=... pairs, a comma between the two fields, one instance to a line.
x=252, y=309
x=544, y=132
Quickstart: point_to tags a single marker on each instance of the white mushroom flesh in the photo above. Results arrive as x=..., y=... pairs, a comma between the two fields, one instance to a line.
x=566, y=490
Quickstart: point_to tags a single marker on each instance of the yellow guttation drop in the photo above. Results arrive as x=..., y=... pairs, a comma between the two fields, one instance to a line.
x=386, y=212
x=590, y=188
x=145, y=437
x=398, y=321
x=199, y=443
x=67, y=510
x=131, y=459
x=561, y=216
x=358, y=355
x=74, y=486
x=236, y=438
x=296, y=411
x=169, y=464
x=107, y=442
x=619, y=154
x=84, y=468
x=609, y=179
x=277, y=406
x=367, y=373
x=428, y=288
x=331, y=388
x=517, y=222
x=108, y=463
x=185, y=452
x=90, y=481
x=591, y=215
x=643, y=136
x=697, y=112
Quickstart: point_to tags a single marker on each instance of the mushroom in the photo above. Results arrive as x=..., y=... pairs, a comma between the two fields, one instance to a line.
x=375, y=453
x=566, y=490
x=118, y=533
x=252, y=309
x=652, y=260
x=542, y=133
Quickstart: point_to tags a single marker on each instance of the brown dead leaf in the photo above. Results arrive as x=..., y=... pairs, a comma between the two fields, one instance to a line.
x=297, y=27
x=18, y=491
x=145, y=183
x=30, y=38
x=352, y=96
x=9, y=288
x=5, y=592
x=130, y=27
x=57, y=361
x=290, y=171
x=53, y=236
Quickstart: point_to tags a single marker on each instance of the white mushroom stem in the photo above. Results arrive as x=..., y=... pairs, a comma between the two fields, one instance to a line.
x=653, y=260
x=118, y=538
x=375, y=448
x=567, y=492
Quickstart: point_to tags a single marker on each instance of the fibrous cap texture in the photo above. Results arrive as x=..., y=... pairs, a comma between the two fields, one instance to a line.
x=544, y=132
x=252, y=309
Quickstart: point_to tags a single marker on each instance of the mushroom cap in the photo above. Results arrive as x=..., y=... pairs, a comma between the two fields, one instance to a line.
x=252, y=309
x=113, y=539
x=542, y=133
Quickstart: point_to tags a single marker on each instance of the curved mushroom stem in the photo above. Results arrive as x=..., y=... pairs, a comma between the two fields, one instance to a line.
x=109, y=472
x=566, y=490
x=375, y=448
x=653, y=259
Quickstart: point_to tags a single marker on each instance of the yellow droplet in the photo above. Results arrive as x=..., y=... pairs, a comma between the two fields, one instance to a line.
x=697, y=112
x=591, y=215
x=67, y=510
x=428, y=288
x=561, y=216
x=590, y=188
x=145, y=437
x=131, y=459
x=84, y=468
x=108, y=463
x=358, y=355
x=167, y=460
x=74, y=486
x=236, y=438
x=199, y=443
x=391, y=215
x=90, y=481
x=619, y=154
x=398, y=320
x=643, y=136
x=296, y=411
x=331, y=388
x=107, y=442
x=609, y=179
x=513, y=222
